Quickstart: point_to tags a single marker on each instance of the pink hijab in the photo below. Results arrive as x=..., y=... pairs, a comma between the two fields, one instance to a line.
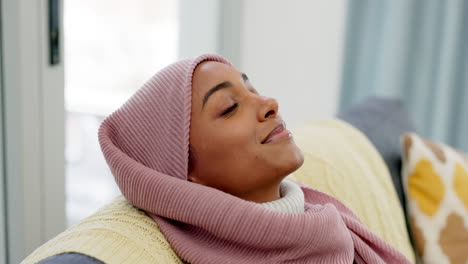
x=145, y=143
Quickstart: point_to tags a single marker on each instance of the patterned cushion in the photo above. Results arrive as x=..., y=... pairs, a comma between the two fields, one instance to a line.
x=436, y=184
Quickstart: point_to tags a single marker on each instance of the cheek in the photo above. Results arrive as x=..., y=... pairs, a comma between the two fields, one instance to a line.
x=226, y=142
x=233, y=138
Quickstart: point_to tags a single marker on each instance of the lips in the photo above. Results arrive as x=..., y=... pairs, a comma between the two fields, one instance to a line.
x=276, y=134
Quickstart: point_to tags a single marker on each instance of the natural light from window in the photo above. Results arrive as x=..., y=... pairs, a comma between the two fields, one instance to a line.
x=111, y=48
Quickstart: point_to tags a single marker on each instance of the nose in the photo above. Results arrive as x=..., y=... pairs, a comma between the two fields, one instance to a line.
x=269, y=108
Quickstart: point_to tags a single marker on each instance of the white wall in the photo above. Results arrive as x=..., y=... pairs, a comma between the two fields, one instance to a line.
x=199, y=26
x=292, y=51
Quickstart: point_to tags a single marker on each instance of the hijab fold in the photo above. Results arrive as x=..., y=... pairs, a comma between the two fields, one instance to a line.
x=145, y=143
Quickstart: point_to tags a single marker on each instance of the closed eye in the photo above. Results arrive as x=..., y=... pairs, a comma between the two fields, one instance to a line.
x=229, y=110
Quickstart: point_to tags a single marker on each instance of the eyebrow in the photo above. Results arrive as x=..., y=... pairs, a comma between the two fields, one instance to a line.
x=225, y=84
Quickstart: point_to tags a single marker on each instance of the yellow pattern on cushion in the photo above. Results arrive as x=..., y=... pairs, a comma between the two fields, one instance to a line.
x=426, y=187
x=342, y=162
x=442, y=218
x=460, y=183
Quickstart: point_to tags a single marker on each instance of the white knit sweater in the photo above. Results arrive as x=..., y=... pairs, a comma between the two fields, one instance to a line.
x=291, y=201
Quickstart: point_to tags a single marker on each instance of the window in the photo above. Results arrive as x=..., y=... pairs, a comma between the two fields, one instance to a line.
x=111, y=48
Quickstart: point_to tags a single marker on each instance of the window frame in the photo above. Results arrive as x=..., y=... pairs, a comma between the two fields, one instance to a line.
x=33, y=122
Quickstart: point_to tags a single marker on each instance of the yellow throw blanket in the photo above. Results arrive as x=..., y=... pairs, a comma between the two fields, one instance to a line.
x=117, y=233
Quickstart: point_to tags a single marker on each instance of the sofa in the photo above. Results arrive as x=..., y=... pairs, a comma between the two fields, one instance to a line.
x=355, y=157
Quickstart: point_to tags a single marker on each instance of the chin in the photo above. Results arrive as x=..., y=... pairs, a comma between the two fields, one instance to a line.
x=290, y=160
x=297, y=159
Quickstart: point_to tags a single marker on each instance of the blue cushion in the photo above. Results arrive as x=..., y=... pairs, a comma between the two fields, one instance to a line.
x=383, y=120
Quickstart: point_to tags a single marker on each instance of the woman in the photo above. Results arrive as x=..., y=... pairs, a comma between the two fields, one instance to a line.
x=205, y=155
x=232, y=126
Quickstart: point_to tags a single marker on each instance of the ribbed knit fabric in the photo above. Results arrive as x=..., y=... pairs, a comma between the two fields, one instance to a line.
x=145, y=143
x=291, y=201
x=339, y=160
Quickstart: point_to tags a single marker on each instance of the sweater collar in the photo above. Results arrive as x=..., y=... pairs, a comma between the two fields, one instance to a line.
x=291, y=201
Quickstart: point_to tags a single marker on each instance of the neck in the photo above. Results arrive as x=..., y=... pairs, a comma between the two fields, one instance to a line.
x=263, y=195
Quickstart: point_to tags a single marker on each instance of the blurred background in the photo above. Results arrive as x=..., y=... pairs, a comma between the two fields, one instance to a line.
x=66, y=65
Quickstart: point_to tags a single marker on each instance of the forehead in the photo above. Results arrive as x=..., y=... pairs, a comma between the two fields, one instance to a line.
x=210, y=73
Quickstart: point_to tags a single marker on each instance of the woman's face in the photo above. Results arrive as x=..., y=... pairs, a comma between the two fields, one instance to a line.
x=232, y=145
